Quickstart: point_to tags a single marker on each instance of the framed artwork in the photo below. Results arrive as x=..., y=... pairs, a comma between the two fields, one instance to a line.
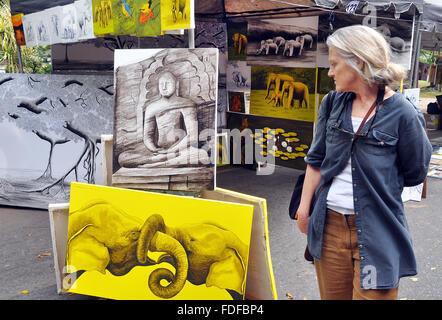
x=286, y=42
x=287, y=141
x=165, y=118
x=147, y=245
x=283, y=92
x=50, y=127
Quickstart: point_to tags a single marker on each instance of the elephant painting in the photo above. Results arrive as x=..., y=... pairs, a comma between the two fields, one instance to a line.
x=296, y=91
x=267, y=46
x=102, y=237
x=179, y=10
x=292, y=47
x=240, y=43
x=239, y=79
x=305, y=40
x=274, y=78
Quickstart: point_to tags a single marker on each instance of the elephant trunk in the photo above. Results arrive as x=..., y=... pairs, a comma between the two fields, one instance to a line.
x=153, y=238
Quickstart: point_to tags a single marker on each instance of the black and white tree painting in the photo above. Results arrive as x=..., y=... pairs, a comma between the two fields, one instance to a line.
x=50, y=129
x=165, y=119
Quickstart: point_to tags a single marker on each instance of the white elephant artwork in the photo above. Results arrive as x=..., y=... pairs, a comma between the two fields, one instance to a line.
x=292, y=47
x=306, y=40
x=267, y=46
x=239, y=79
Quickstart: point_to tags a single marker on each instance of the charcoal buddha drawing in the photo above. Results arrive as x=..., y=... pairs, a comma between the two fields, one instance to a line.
x=165, y=120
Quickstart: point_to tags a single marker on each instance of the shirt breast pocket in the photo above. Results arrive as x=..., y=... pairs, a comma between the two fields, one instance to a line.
x=331, y=130
x=380, y=143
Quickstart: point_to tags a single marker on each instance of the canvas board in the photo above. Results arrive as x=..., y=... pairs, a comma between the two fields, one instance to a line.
x=165, y=118
x=277, y=141
x=50, y=127
x=203, y=243
x=288, y=93
x=286, y=42
x=398, y=33
x=85, y=22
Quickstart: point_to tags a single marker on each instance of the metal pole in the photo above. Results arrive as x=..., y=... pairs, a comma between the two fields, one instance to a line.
x=20, y=64
x=191, y=34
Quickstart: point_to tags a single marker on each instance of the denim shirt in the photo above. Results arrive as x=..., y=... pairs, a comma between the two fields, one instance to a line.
x=395, y=153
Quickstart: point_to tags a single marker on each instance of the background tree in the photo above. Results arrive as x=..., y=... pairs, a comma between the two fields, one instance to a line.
x=34, y=59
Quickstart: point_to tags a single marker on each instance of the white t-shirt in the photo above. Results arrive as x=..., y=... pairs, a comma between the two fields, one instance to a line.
x=340, y=196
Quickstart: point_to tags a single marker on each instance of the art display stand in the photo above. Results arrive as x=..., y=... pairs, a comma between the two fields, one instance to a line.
x=260, y=282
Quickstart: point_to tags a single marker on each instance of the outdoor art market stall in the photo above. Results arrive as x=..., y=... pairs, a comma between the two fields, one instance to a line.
x=125, y=74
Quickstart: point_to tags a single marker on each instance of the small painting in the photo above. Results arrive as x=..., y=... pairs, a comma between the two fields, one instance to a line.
x=237, y=40
x=287, y=42
x=177, y=14
x=287, y=141
x=148, y=15
x=283, y=92
x=103, y=17
x=236, y=102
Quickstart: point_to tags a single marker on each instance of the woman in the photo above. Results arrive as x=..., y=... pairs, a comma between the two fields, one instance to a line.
x=357, y=232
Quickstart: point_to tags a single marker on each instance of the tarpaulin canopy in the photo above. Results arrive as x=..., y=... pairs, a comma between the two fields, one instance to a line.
x=431, y=10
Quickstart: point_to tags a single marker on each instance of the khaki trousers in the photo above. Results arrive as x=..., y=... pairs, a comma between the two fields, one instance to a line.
x=338, y=269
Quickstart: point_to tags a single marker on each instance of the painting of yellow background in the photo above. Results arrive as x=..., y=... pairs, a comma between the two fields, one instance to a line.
x=183, y=14
x=176, y=211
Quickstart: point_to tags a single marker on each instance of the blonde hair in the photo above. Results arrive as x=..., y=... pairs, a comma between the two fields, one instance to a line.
x=372, y=49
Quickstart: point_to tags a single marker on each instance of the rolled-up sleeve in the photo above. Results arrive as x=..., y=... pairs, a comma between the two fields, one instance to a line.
x=316, y=153
x=414, y=150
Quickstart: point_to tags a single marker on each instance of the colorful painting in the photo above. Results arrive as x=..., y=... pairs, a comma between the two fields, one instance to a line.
x=148, y=15
x=165, y=118
x=50, y=135
x=17, y=23
x=128, y=244
x=236, y=102
x=103, y=17
x=288, y=42
x=283, y=92
x=397, y=32
x=287, y=141
x=30, y=29
x=237, y=41
x=177, y=14
x=124, y=17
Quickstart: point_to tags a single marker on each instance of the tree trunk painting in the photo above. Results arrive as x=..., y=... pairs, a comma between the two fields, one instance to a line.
x=69, y=113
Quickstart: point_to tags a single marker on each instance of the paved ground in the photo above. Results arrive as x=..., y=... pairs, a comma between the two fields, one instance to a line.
x=26, y=261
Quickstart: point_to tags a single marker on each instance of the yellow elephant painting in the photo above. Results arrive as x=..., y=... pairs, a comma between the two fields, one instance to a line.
x=240, y=43
x=126, y=244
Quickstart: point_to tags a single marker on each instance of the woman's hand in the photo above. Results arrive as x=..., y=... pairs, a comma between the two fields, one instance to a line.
x=303, y=217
